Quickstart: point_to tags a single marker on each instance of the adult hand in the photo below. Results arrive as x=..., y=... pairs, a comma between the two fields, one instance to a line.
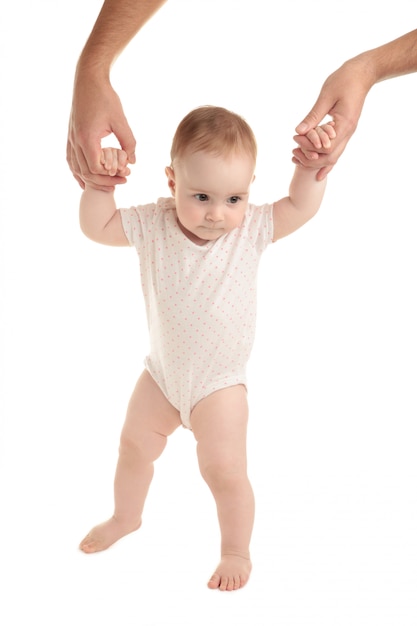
x=341, y=97
x=96, y=113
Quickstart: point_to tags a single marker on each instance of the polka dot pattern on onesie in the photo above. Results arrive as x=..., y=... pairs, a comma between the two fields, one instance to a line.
x=200, y=300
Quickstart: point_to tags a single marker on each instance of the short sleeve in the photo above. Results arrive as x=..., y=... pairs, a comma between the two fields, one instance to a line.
x=137, y=222
x=260, y=225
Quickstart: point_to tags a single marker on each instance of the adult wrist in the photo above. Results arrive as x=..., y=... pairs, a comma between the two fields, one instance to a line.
x=365, y=68
x=92, y=68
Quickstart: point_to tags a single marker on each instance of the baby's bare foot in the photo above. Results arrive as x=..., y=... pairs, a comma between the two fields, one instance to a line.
x=232, y=573
x=105, y=534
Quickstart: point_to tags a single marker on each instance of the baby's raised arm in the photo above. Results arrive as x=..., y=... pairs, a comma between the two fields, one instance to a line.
x=99, y=218
x=306, y=192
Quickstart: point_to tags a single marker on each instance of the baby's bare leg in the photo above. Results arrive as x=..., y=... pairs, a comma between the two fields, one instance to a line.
x=150, y=419
x=219, y=424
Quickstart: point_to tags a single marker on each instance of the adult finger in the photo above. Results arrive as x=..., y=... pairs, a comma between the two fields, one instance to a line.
x=320, y=109
x=126, y=139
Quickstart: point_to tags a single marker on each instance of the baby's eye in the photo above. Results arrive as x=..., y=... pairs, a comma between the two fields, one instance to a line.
x=203, y=197
x=233, y=199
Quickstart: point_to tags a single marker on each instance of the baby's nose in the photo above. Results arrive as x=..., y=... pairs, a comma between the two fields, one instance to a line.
x=215, y=213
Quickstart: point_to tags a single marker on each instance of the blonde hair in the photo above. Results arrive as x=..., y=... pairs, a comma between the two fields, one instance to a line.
x=215, y=130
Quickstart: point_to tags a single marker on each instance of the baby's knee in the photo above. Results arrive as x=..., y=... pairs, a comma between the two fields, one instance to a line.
x=149, y=446
x=224, y=473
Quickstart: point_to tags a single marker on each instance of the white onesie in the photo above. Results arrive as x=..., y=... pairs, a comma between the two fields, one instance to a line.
x=200, y=300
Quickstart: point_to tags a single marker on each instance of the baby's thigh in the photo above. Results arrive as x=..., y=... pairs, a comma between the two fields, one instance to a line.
x=149, y=410
x=219, y=424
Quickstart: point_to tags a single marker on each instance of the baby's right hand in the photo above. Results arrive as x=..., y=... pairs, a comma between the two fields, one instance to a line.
x=115, y=161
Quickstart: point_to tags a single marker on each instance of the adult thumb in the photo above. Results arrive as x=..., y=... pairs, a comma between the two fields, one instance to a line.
x=315, y=116
x=126, y=140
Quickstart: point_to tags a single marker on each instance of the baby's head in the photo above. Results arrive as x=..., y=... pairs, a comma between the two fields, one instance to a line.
x=214, y=130
x=213, y=158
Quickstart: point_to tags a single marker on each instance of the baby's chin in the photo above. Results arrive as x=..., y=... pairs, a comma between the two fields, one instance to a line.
x=211, y=234
x=208, y=232
x=202, y=234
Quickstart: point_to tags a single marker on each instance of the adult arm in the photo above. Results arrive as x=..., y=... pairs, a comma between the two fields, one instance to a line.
x=96, y=108
x=343, y=94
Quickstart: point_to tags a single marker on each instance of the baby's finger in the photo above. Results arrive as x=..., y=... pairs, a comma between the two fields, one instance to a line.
x=105, y=158
x=312, y=156
x=305, y=156
x=325, y=141
x=115, y=163
x=109, y=160
x=314, y=137
x=124, y=171
x=326, y=133
x=123, y=159
x=329, y=129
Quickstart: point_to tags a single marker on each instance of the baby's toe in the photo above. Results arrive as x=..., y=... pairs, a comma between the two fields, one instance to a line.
x=88, y=544
x=214, y=581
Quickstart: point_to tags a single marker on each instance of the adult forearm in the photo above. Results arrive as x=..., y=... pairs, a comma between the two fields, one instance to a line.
x=395, y=58
x=117, y=23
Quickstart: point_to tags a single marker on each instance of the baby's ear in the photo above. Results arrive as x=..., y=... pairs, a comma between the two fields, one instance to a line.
x=171, y=179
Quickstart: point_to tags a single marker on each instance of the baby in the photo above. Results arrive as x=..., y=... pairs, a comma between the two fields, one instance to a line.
x=199, y=252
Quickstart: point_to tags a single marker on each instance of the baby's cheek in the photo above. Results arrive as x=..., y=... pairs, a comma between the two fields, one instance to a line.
x=240, y=216
x=195, y=217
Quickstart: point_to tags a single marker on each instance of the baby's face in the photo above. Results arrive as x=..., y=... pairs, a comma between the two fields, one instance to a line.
x=211, y=193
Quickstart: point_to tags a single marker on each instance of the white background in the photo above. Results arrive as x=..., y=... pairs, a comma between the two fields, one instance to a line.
x=332, y=438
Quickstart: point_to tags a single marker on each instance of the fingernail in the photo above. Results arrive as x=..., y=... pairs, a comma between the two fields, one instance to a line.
x=302, y=127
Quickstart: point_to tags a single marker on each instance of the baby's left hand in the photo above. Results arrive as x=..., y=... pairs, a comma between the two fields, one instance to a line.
x=319, y=137
x=115, y=161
